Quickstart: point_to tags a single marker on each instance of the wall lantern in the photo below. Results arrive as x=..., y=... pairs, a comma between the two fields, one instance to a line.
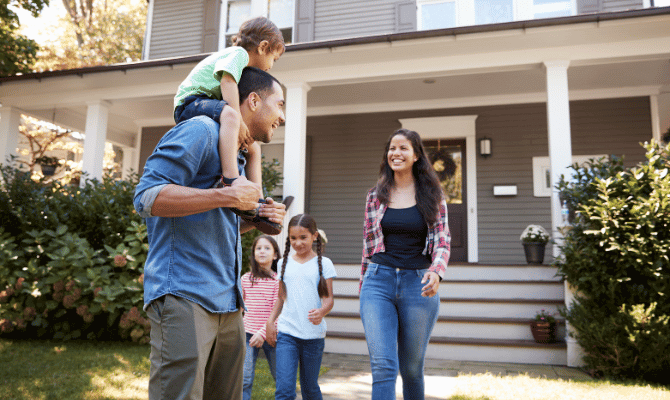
x=485, y=147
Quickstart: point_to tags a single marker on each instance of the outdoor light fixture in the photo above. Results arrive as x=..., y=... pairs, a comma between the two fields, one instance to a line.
x=485, y=147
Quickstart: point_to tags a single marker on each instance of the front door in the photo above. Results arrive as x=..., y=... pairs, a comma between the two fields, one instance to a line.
x=448, y=158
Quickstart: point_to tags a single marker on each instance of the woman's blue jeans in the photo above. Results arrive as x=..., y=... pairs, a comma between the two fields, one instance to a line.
x=250, y=365
x=397, y=322
x=291, y=353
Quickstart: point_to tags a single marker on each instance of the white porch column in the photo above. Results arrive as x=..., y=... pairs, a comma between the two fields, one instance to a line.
x=295, y=145
x=560, y=158
x=10, y=118
x=128, y=161
x=96, y=134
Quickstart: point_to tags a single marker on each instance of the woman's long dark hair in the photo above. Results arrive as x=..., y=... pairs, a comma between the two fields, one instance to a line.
x=256, y=271
x=427, y=186
x=305, y=221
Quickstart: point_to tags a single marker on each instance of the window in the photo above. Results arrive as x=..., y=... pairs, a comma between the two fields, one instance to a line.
x=542, y=173
x=493, y=11
x=436, y=14
x=237, y=13
x=551, y=8
x=281, y=12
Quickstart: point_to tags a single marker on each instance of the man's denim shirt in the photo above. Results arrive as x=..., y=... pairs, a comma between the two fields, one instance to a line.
x=197, y=257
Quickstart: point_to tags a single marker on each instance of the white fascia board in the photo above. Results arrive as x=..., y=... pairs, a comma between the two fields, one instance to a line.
x=519, y=98
x=581, y=55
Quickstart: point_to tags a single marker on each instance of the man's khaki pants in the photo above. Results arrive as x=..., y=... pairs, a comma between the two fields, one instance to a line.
x=195, y=354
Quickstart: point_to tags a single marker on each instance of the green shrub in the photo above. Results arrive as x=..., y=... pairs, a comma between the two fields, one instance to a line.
x=271, y=178
x=616, y=254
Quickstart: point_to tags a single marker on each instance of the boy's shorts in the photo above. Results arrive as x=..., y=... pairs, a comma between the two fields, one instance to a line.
x=199, y=105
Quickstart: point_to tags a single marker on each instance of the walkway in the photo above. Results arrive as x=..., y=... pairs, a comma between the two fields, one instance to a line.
x=348, y=377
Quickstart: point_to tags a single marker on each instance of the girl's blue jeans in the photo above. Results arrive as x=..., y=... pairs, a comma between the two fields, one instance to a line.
x=250, y=365
x=291, y=353
x=397, y=322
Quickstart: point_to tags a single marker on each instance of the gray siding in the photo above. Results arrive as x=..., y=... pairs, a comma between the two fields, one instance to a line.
x=594, y=6
x=337, y=19
x=347, y=150
x=150, y=138
x=177, y=28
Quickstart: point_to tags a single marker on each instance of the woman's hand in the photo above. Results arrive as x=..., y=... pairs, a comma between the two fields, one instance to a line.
x=270, y=333
x=430, y=289
x=256, y=340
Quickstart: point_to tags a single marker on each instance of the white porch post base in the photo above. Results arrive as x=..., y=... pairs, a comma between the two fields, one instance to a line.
x=295, y=146
x=10, y=119
x=575, y=351
x=94, y=143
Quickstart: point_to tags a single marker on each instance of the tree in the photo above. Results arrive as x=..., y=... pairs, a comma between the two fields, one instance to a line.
x=17, y=52
x=95, y=33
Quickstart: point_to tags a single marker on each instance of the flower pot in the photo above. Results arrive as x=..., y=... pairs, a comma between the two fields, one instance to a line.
x=543, y=332
x=534, y=252
x=48, y=170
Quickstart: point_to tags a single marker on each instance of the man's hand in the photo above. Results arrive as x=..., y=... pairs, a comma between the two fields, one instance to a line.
x=246, y=192
x=275, y=212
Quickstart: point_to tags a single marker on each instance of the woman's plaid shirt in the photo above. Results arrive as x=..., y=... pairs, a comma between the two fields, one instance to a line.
x=438, y=242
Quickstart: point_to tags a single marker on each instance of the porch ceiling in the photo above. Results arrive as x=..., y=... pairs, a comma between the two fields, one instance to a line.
x=607, y=59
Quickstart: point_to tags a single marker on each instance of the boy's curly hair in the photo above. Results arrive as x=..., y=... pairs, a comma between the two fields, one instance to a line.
x=254, y=31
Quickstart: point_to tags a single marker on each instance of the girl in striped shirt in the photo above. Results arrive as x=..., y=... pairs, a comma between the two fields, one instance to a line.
x=260, y=289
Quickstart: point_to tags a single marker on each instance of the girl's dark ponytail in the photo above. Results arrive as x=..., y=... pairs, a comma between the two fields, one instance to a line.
x=322, y=287
x=282, y=286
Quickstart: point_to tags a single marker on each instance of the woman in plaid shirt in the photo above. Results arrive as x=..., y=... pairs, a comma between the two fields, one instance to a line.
x=405, y=255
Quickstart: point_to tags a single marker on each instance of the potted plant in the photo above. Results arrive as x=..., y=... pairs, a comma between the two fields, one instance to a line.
x=48, y=164
x=534, y=239
x=543, y=327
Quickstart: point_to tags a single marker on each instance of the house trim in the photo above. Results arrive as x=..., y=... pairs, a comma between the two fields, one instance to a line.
x=458, y=127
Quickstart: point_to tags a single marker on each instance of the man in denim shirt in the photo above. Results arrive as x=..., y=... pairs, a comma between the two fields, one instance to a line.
x=192, y=291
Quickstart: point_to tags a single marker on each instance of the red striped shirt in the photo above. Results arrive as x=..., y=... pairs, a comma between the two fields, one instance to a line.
x=259, y=300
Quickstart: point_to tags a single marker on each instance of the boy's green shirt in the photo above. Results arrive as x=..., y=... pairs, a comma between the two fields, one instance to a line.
x=205, y=78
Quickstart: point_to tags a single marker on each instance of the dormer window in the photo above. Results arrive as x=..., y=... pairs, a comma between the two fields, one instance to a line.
x=281, y=12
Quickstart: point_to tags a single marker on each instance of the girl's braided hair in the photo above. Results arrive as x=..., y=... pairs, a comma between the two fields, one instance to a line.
x=254, y=31
x=256, y=271
x=305, y=221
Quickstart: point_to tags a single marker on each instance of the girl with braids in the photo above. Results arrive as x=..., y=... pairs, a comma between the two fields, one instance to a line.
x=405, y=254
x=260, y=289
x=305, y=297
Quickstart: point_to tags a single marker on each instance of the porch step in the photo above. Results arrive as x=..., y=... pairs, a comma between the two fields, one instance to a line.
x=464, y=349
x=548, y=289
x=456, y=327
x=466, y=271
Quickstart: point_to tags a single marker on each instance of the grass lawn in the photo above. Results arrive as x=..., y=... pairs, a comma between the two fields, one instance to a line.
x=41, y=370
x=44, y=370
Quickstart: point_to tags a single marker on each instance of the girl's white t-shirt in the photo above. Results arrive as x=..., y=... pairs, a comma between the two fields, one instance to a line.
x=302, y=295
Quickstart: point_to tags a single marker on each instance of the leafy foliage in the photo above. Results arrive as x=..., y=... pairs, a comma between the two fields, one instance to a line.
x=71, y=259
x=271, y=178
x=617, y=256
x=17, y=52
x=95, y=33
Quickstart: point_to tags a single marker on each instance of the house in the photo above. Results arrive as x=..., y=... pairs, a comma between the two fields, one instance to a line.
x=538, y=83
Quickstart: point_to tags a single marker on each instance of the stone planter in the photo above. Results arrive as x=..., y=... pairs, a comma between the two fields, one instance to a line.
x=543, y=332
x=534, y=252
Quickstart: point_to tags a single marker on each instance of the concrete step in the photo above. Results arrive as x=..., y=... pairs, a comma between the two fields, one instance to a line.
x=468, y=289
x=480, y=307
x=475, y=272
x=455, y=327
x=464, y=349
